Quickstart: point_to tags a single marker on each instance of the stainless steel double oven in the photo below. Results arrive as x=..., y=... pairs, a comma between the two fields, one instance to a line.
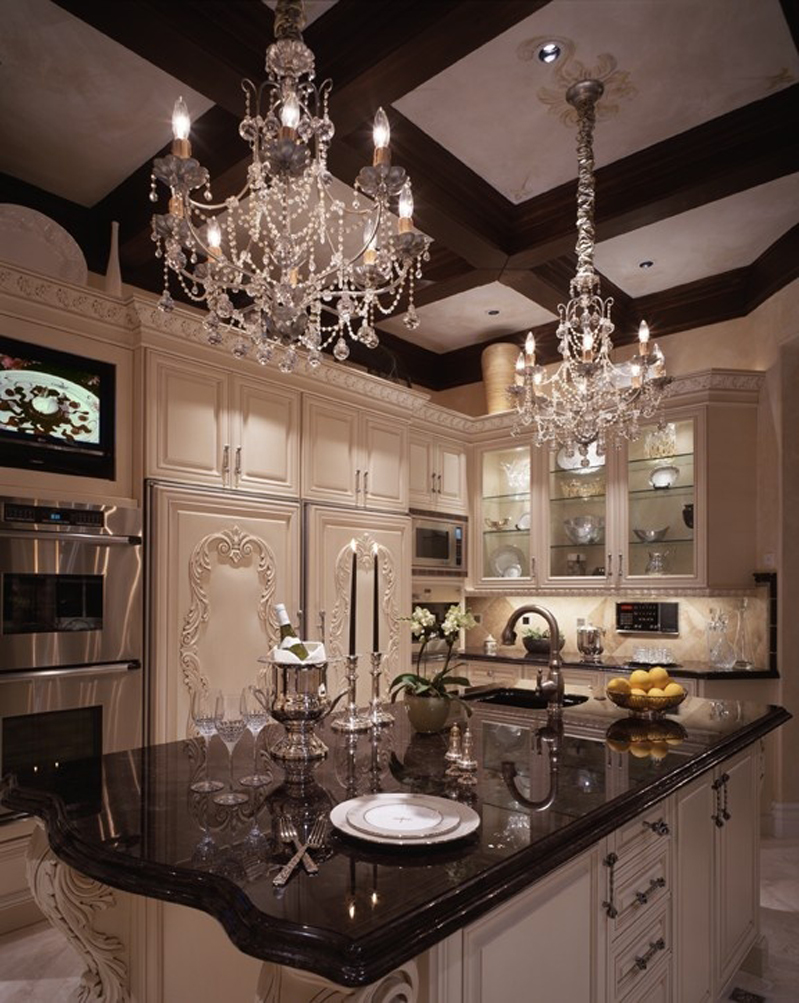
x=71, y=632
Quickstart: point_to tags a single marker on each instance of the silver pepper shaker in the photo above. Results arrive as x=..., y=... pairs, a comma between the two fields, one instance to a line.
x=467, y=764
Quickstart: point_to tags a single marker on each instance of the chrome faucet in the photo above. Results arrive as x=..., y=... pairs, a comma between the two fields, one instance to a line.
x=552, y=688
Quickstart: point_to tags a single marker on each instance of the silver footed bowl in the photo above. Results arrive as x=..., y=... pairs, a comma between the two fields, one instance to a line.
x=651, y=535
x=584, y=528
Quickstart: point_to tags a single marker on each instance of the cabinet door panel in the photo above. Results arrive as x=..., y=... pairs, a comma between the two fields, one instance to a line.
x=420, y=473
x=737, y=867
x=330, y=453
x=220, y=562
x=329, y=562
x=267, y=435
x=187, y=421
x=451, y=477
x=385, y=447
x=693, y=926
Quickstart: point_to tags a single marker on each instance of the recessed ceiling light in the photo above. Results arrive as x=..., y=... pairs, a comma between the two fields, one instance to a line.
x=492, y=313
x=645, y=264
x=549, y=52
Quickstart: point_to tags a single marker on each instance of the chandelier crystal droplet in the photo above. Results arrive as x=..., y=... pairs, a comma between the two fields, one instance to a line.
x=588, y=398
x=295, y=260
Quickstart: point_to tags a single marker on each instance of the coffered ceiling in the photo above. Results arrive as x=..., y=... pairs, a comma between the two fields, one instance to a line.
x=697, y=151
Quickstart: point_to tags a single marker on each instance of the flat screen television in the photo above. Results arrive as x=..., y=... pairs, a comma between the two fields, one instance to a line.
x=56, y=411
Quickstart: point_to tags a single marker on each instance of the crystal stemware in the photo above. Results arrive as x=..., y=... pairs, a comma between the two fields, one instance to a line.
x=255, y=715
x=203, y=714
x=230, y=727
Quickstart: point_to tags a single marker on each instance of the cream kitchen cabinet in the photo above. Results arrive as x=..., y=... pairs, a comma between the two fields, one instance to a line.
x=220, y=561
x=330, y=535
x=437, y=474
x=353, y=457
x=208, y=427
x=639, y=516
x=717, y=877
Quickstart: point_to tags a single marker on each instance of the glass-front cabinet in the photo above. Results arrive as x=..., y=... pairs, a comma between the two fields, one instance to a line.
x=660, y=502
x=625, y=519
x=503, y=530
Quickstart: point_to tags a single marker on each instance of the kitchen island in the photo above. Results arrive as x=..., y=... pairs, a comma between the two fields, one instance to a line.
x=608, y=848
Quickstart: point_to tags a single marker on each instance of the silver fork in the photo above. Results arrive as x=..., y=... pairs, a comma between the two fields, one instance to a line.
x=288, y=833
x=316, y=838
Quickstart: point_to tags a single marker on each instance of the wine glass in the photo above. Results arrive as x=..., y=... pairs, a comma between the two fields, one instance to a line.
x=253, y=710
x=203, y=713
x=230, y=727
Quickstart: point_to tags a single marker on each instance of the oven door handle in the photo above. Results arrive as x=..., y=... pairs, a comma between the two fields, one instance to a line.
x=95, y=541
x=101, y=669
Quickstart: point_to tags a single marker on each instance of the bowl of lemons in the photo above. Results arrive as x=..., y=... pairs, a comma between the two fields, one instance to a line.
x=649, y=691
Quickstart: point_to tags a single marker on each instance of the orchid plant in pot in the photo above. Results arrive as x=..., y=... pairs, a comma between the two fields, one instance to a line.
x=428, y=697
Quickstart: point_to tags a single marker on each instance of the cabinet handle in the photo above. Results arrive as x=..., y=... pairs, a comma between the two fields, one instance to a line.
x=237, y=468
x=609, y=571
x=532, y=568
x=432, y=483
x=439, y=484
x=642, y=961
x=365, y=483
x=621, y=565
x=322, y=625
x=608, y=905
x=660, y=828
x=643, y=897
x=720, y=815
x=357, y=482
x=225, y=458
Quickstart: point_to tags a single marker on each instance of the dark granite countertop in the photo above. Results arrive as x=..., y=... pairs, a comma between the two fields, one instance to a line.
x=697, y=670
x=130, y=820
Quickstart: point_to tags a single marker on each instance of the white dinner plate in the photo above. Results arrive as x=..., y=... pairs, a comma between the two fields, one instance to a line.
x=404, y=819
x=575, y=462
x=524, y=521
x=506, y=562
x=401, y=815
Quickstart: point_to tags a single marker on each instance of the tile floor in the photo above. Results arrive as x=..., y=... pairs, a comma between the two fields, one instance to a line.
x=38, y=966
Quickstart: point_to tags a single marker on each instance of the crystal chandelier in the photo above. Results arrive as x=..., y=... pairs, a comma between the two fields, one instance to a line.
x=588, y=398
x=294, y=261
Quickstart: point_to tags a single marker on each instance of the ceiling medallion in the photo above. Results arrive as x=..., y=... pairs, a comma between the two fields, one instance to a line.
x=588, y=399
x=569, y=71
x=289, y=263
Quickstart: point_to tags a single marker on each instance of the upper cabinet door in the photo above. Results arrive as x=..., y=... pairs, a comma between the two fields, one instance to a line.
x=384, y=463
x=502, y=531
x=331, y=468
x=452, y=495
x=187, y=421
x=266, y=451
x=421, y=473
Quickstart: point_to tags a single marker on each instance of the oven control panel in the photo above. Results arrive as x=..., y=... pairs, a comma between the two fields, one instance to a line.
x=647, y=618
x=48, y=515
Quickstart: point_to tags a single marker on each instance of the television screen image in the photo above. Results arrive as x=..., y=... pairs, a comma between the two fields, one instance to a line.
x=56, y=411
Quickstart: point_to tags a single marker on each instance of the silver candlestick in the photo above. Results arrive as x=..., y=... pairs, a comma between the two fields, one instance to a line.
x=351, y=720
x=377, y=714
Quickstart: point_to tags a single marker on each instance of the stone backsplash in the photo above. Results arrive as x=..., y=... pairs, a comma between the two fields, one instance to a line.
x=690, y=645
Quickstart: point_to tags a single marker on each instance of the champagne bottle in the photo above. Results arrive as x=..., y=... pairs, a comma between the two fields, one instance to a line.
x=288, y=636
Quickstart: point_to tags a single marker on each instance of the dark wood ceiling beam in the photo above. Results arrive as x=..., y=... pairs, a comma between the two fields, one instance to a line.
x=774, y=269
x=744, y=148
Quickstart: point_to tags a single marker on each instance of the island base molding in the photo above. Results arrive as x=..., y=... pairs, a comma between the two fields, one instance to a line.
x=785, y=819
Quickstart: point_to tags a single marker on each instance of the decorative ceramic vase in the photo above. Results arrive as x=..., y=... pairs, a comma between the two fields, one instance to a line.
x=688, y=515
x=427, y=714
x=499, y=372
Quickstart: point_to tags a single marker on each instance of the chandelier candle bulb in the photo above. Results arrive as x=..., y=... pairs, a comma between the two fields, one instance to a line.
x=529, y=348
x=214, y=238
x=405, y=210
x=381, y=135
x=181, y=127
x=643, y=338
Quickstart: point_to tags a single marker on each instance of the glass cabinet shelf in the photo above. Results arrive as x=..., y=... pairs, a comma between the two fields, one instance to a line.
x=682, y=490
x=507, y=498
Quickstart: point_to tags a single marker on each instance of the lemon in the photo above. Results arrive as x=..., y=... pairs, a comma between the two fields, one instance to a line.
x=617, y=744
x=659, y=750
x=673, y=690
x=655, y=691
x=618, y=685
x=641, y=750
x=658, y=676
x=636, y=691
x=639, y=679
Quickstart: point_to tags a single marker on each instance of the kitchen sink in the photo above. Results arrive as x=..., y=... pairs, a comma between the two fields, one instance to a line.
x=529, y=699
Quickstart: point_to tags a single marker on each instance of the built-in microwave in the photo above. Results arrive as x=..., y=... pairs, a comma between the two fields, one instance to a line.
x=439, y=545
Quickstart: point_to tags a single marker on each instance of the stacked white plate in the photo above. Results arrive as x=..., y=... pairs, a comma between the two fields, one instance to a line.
x=404, y=819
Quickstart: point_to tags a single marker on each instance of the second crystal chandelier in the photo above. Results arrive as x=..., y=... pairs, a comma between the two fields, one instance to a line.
x=294, y=261
x=588, y=398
